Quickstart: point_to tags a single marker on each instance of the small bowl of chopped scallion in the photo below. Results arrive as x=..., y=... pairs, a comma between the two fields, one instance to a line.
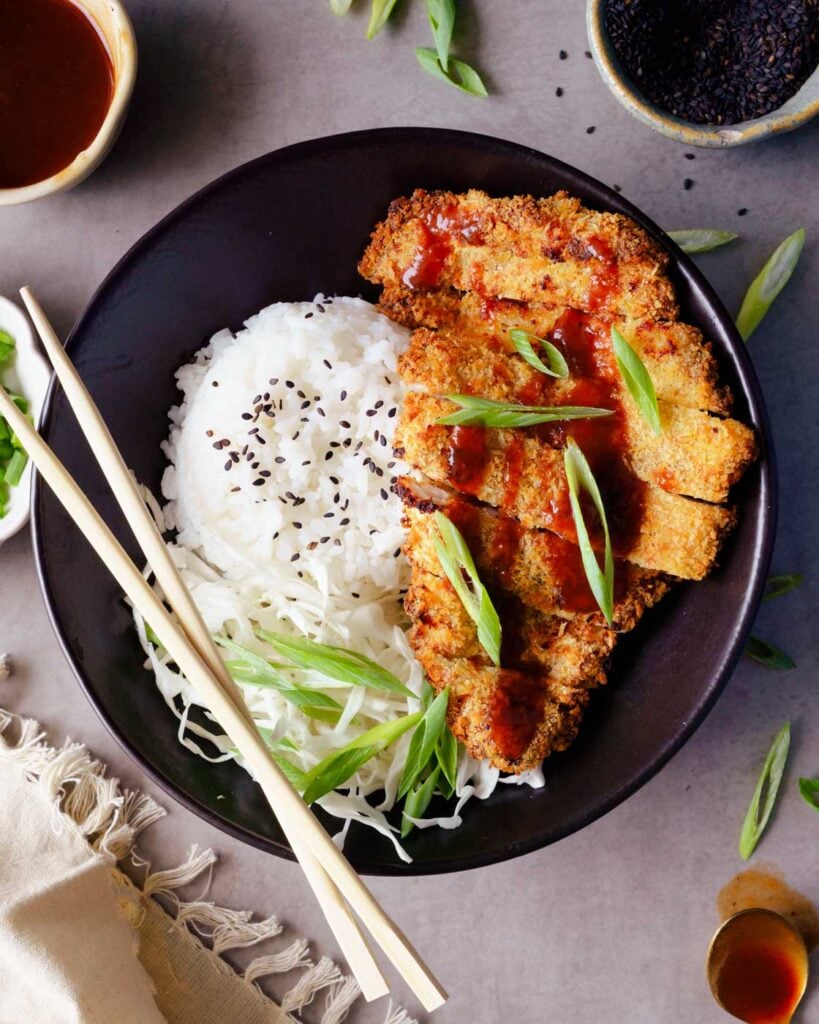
x=24, y=374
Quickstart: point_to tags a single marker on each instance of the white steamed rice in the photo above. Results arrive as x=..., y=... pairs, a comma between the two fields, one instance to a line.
x=279, y=488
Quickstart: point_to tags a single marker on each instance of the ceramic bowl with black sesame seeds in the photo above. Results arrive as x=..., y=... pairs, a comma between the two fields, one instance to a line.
x=794, y=111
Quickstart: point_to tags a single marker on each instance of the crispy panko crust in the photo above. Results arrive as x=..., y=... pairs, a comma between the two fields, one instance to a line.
x=680, y=363
x=521, y=247
x=529, y=571
x=461, y=271
x=696, y=454
x=677, y=536
x=557, y=660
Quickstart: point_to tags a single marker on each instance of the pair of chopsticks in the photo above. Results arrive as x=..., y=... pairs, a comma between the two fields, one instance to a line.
x=185, y=637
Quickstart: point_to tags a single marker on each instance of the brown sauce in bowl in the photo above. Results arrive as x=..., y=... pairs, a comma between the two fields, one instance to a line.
x=56, y=85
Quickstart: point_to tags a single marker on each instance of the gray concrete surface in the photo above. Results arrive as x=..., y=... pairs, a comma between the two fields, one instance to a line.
x=611, y=924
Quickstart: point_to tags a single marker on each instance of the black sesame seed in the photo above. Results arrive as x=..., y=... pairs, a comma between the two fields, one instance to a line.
x=558, y=92
x=590, y=130
x=383, y=494
x=289, y=384
x=297, y=525
x=305, y=403
x=235, y=490
x=306, y=462
x=264, y=473
x=215, y=384
x=587, y=54
x=742, y=212
x=295, y=558
x=344, y=522
x=344, y=423
x=208, y=433
x=333, y=480
x=563, y=55
x=295, y=437
x=258, y=483
x=617, y=188
x=328, y=456
x=688, y=184
x=274, y=381
x=261, y=440
x=343, y=395
x=370, y=412
x=354, y=594
x=379, y=403
x=258, y=398
x=328, y=364
x=280, y=459
x=319, y=307
x=392, y=412
x=228, y=464
x=234, y=456
x=320, y=411
x=247, y=416
x=307, y=316
x=690, y=156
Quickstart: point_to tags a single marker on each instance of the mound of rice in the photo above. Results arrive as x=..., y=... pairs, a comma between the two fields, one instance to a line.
x=279, y=488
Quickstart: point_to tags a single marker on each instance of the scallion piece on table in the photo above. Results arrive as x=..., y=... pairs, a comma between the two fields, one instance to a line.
x=557, y=365
x=485, y=412
x=441, y=14
x=637, y=379
x=337, y=663
x=340, y=7
x=768, y=655
x=769, y=283
x=764, y=798
x=456, y=559
x=458, y=73
x=580, y=478
x=809, y=788
x=697, y=240
x=781, y=584
x=339, y=767
x=379, y=15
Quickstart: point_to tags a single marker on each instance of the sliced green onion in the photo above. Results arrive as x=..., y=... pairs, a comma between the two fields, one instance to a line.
x=637, y=379
x=809, y=788
x=764, y=798
x=522, y=340
x=418, y=799
x=14, y=469
x=7, y=449
x=484, y=412
x=441, y=14
x=424, y=741
x=768, y=655
x=456, y=559
x=782, y=584
x=337, y=663
x=255, y=670
x=446, y=754
x=340, y=7
x=458, y=72
x=579, y=477
x=701, y=239
x=336, y=769
x=769, y=283
x=379, y=15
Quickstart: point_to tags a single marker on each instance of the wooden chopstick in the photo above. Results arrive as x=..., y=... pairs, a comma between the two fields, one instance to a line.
x=122, y=483
x=246, y=738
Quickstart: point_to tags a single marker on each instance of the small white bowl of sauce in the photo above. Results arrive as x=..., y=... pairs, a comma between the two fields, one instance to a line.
x=66, y=78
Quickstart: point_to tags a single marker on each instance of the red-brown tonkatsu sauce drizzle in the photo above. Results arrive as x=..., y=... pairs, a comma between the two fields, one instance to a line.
x=759, y=983
x=439, y=230
x=467, y=458
x=604, y=441
x=515, y=711
x=56, y=84
x=606, y=274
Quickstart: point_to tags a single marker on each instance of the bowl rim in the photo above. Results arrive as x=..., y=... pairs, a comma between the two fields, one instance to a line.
x=90, y=158
x=762, y=548
x=792, y=114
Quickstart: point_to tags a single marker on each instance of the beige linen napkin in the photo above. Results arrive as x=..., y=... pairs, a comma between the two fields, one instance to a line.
x=80, y=943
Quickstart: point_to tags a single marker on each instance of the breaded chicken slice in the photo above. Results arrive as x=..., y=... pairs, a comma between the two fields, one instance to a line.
x=695, y=454
x=674, y=535
x=531, y=707
x=680, y=363
x=550, y=250
x=539, y=568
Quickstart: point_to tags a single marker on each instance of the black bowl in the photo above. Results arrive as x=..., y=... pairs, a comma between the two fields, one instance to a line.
x=285, y=227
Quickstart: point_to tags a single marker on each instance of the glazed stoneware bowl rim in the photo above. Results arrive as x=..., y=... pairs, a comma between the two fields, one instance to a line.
x=123, y=51
x=434, y=142
x=795, y=112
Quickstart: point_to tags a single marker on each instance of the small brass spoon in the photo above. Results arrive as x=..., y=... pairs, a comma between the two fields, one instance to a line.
x=756, y=926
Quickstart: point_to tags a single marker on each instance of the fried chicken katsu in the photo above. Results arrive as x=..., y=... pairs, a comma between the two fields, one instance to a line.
x=462, y=271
